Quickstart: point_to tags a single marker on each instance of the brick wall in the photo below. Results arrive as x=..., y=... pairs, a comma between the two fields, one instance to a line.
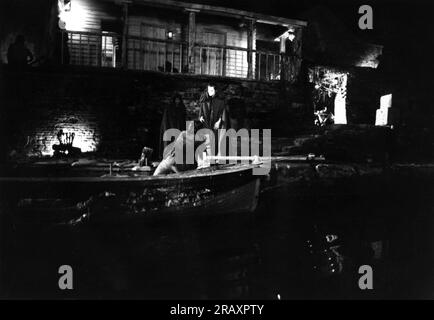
x=116, y=113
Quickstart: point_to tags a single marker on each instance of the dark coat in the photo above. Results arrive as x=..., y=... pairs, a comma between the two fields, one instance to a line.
x=213, y=109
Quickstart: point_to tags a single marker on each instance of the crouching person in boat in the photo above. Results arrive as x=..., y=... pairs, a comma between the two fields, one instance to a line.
x=185, y=141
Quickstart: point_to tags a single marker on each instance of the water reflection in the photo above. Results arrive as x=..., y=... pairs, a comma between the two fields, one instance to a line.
x=295, y=246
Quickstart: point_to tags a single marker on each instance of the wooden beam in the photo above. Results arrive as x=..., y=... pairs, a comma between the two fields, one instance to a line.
x=295, y=158
x=228, y=12
x=125, y=36
x=282, y=45
x=283, y=58
x=250, y=36
x=191, y=39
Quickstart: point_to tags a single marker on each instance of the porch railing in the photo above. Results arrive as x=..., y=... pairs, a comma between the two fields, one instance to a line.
x=90, y=49
x=104, y=50
x=157, y=55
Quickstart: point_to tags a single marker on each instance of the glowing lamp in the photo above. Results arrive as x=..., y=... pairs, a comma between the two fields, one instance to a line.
x=288, y=34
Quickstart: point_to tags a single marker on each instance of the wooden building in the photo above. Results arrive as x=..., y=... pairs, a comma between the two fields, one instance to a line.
x=178, y=37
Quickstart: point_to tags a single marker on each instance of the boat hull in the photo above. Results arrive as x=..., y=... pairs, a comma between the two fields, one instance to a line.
x=218, y=190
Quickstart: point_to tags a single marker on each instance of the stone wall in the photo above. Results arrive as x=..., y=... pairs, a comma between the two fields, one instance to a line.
x=118, y=112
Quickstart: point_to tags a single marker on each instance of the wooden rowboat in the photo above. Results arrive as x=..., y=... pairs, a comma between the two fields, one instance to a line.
x=220, y=189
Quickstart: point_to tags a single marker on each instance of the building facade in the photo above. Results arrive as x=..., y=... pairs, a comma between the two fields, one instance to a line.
x=179, y=37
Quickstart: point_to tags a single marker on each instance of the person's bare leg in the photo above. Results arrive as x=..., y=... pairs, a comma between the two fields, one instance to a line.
x=166, y=166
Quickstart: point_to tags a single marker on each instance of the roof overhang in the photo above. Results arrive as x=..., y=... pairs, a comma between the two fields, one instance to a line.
x=222, y=11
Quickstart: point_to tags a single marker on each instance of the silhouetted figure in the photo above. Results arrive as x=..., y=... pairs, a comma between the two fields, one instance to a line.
x=237, y=110
x=174, y=117
x=18, y=54
x=168, y=68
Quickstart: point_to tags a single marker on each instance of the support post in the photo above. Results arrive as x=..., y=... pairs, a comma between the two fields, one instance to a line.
x=125, y=36
x=283, y=59
x=282, y=45
x=250, y=42
x=191, y=39
x=297, y=47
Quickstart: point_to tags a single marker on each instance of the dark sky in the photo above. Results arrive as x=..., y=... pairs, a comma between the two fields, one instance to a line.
x=391, y=17
x=404, y=27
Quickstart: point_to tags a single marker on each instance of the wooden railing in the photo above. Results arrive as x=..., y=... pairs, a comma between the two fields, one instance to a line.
x=90, y=49
x=104, y=49
x=157, y=55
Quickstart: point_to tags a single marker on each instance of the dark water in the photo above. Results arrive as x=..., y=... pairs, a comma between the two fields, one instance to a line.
x=384, y=222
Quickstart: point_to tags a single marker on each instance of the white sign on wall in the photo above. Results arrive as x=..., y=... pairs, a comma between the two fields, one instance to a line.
x=386, y=101
x=382, y=116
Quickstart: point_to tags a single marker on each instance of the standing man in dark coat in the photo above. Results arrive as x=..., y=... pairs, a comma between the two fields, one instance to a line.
x=214, y=115
x=212, y=109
